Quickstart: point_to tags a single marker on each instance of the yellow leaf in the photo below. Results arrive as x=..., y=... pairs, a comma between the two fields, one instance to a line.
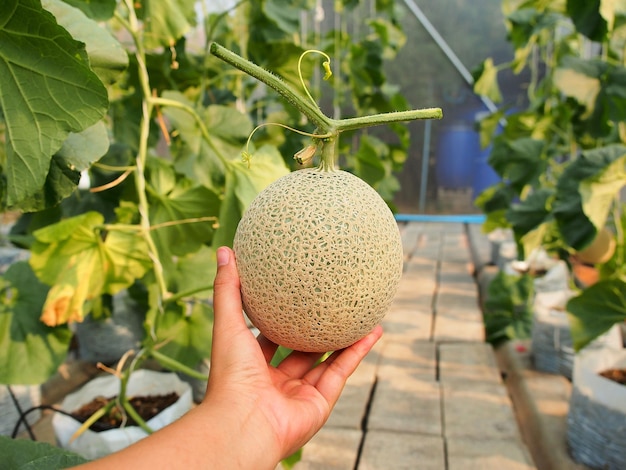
x=60, y=306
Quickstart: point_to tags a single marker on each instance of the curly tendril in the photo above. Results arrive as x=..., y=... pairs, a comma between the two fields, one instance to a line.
x=325, y=64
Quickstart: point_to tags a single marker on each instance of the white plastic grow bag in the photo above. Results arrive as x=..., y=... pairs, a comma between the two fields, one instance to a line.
x=596, y=421
x=92, y=445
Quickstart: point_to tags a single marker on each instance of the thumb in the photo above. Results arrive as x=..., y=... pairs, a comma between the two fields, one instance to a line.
x=228, y=311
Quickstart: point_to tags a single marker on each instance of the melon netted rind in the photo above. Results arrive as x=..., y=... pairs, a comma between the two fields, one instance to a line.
x=320, y=258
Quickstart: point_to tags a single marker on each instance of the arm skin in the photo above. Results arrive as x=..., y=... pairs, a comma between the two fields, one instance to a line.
x=253, y=414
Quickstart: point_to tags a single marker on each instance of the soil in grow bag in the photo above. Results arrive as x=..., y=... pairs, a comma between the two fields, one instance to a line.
x=146, y=406
x=616, y=375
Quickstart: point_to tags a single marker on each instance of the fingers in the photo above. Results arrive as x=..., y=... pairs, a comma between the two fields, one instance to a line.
x=298, y=363
x=331, y=375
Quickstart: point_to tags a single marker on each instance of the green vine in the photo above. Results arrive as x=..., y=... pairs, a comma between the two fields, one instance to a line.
x=327, y=127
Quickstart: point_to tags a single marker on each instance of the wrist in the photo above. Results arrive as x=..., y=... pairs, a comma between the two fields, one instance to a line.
x=241, y=436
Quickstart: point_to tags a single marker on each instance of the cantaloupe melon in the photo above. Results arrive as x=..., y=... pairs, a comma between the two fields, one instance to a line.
x=320, y=257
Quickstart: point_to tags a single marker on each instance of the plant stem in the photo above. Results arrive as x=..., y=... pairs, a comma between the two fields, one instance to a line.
x=187, y=293
x=136, y=416
x=324, y=124
x=386, y=118
x=142, y=153
x=329, y=154
x=307, y=108
x=173, y=364
x=92, y=419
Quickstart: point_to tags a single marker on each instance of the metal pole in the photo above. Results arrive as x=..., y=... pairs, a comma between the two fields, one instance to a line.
x=443, y=45
x=425, y=162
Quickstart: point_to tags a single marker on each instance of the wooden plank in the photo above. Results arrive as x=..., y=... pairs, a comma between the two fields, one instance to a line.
x=456, y=273
x=410, y=236
x=407, y=396
x=487, y=454
x=480, y=246
x=407, y=324
x=480, y=410
x=475, y=401
x=460, y=298
x=331, y=449
x=458, y=316
x=465, y=362
x=385, y=450
x=351, y=407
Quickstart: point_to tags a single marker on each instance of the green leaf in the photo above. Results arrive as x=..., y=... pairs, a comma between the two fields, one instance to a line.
x=179, y=206
x=508, y=307
x=202, y=157
x=183, y=330
x=531, y=212
x=99, y=10
x=289, y=462
x=81, y=261
x=107, y=57
x=369, y=164
x=520, y=161
x=595, y=310
x=486, y=81
x=498, y=197
x=600, y=191
x=166, y=21
x=599, y=86
x=366, y=63
x=587, y=18
x=285, y=15
x=24, y=454
x=195, y=273
x=32, y=351
x=583, y=87
x=61, y=181
x=47, y=90
x=82, y=149
x=242, y=186
x=391, y=36
x=488, y=126
x=527, y=22
x=534, y=239
x=610, y=10
x=575, y=225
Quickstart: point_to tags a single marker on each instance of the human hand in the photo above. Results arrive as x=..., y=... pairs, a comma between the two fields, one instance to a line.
x=290, y=402
x=253, y=414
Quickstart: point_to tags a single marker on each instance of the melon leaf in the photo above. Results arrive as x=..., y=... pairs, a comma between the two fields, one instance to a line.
x=243, y=184
x=23, y=454
x=180, y=330
x=41, y=106
x=595, y=310
x=81, y=261
x=32, y=351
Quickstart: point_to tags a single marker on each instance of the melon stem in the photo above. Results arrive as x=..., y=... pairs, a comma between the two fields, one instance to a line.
x=324, y=124
x=330, y=150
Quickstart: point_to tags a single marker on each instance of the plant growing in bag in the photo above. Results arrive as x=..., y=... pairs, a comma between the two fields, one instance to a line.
x=562, y=159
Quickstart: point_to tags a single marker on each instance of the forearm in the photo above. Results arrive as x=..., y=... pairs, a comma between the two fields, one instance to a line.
x=209, y=437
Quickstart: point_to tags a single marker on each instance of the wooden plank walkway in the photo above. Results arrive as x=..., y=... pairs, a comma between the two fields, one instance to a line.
x=430, y=395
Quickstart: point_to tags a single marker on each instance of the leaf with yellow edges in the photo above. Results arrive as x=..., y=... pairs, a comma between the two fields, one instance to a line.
x=82, y=261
